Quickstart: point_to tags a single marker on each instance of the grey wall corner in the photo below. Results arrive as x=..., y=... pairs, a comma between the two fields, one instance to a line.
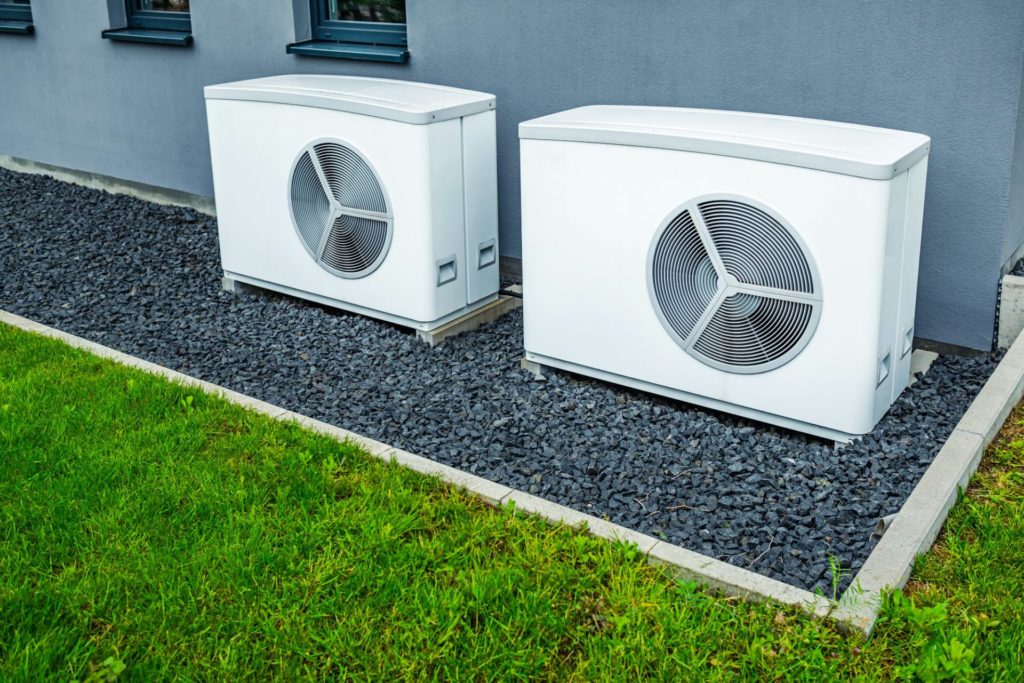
x=1013, y=237
x=116, y=10
x=303, y=23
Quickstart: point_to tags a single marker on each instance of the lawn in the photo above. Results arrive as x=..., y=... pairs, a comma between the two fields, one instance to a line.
x=149, y=531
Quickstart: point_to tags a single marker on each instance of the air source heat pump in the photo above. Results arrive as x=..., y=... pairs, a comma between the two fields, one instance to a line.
x=759, y=265
x=370, y=195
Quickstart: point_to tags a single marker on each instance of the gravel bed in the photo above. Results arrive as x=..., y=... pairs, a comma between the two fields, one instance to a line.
x=145, y=279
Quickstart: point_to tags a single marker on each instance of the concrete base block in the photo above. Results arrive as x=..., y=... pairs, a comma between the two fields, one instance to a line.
x=920, y=362
x=485, y=314
x=233, y=286
x=1011, y=310
x=534, y=368
x=230, y=285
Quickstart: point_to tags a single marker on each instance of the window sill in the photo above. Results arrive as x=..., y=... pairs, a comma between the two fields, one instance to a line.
x=149, y=35
x=373, y=53
x=24, y=28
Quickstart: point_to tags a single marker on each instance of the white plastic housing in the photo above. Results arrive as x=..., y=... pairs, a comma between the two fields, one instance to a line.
x=590, y=213
x=432, y=150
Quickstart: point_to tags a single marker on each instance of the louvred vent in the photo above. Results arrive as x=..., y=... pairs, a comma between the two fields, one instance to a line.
x=734, y=286
x=340, y=209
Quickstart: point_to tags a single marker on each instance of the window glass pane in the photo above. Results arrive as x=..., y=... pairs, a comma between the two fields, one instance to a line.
x=392, y=11
x=163, y=5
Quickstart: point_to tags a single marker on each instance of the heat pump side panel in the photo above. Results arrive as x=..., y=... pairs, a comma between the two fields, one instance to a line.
x=590, y=212
x=481, y=180
x=891, y=258
x=253, y=148
x=913, y=219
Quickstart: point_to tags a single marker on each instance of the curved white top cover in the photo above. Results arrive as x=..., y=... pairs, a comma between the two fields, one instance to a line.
x=404, y=101
x=864, y=151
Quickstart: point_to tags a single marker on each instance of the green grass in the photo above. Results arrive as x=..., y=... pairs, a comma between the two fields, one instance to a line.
x=152, y=532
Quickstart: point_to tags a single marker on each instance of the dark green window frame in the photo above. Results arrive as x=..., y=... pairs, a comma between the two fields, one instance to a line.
x=16, y=19
x=369, y=40
x=155, y=27
x=155, y=19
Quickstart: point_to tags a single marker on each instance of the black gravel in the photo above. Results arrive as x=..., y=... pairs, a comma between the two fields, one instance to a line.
x=145, y=279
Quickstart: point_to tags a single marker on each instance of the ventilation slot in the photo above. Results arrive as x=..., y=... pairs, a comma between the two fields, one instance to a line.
x=340, y=210
x=733, y=286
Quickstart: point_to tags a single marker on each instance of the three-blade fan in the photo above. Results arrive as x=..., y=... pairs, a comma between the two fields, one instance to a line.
x=733, y=286
x=340, y=209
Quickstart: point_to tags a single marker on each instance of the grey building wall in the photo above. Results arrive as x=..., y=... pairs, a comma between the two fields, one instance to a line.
x=946, y=68
x=1013, y=244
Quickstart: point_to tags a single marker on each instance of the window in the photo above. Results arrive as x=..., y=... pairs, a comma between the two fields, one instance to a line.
x=15, y=17
x=165, y=22
x=356, y=29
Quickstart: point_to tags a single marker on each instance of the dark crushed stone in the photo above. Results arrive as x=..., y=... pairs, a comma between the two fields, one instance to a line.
x=145, y=279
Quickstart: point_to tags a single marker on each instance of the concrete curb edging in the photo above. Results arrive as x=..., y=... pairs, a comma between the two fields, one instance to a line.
x=97, y=181
x=684, y=564
x=918, y=522
x=912, y=532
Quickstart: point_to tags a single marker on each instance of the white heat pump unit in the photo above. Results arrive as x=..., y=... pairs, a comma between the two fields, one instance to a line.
x=760, y=265
x=370, y=195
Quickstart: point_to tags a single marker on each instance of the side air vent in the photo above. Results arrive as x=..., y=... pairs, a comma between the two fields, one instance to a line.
x=733, y=285
x=340, y=209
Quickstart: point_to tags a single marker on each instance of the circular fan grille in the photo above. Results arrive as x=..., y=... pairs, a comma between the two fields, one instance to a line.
x=340, y=210
x=733, y=285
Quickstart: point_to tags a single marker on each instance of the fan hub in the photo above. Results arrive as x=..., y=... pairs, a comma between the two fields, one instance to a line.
x=733, y=285
x=339, y=209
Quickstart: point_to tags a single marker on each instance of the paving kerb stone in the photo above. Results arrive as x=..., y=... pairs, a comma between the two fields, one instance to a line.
x=683, y=563
x=559, y=513
x=489, y=491
x=164, y=304
x=485, y=489
x=140, y=364
x=912, y=532
x=1000, y=394
x=731, y=580
x=919, y=521
x=373, y=447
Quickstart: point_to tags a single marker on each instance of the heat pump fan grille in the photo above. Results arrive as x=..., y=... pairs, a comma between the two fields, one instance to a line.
x=733, y=285
x=354, y=243
x=755, y=248
x=340, y=209
x=688, y=281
